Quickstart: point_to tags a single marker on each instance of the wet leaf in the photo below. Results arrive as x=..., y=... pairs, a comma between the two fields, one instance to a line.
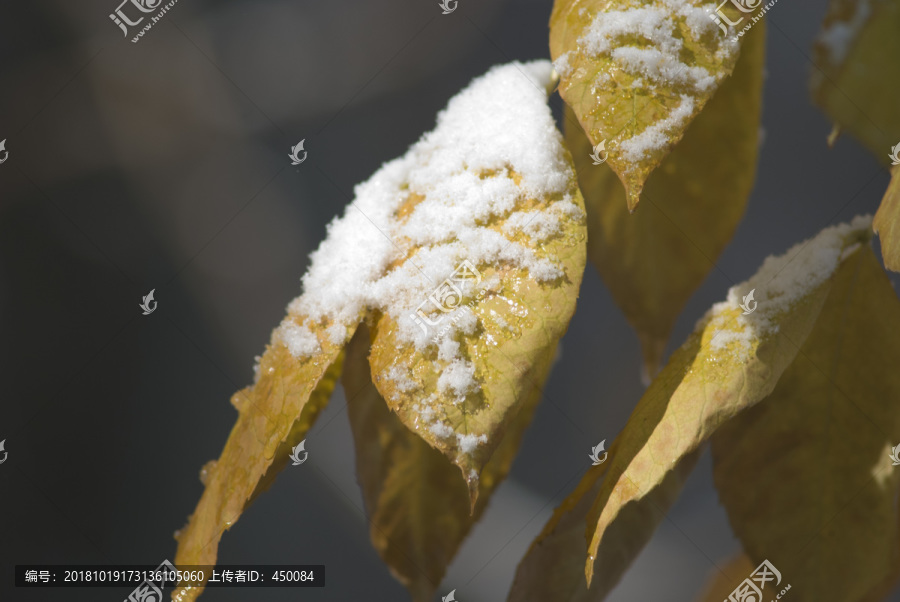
x=636, y=73
x=274, y=414
x=856, y=78
x=461, y=390
x=887, y=223
x=652, y=260
x=731, y=362
x=418, y=506
x=806, y=475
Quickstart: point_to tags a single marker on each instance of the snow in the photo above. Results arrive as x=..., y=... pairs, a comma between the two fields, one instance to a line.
x=647, y=42
x=500, y=124
x=495, y=150
x=837, y=37
x=300, y=340
x=781, y=282
x=656, y=135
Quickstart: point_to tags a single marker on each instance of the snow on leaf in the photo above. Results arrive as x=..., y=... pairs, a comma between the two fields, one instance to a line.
x=731, y=362
x=492, y=188
x=493, y=225
x=805, y=475
x=636, y=73
x=418, y=507
x=274, y=414
x=856, y=74
x=653, y=260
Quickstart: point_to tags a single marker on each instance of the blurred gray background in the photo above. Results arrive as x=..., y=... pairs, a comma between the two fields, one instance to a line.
x=163, y=164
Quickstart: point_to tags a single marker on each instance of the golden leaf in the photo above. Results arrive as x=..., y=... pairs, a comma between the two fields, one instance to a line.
x=418, y=506
x=857, y=72
x=274, y=414
x=553, y=568
x=732, y=361
x=636, y=73
x=492, y=190
x=654, y=259
x=806, y=475
x=461, y=390
x=887, y=223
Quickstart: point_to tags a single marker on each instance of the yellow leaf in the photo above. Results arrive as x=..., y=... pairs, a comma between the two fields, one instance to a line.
x=654, y=259
x=636, y=72
x=731, y=362
x=553, y=568
x=857, y=76
x=418, y=506
x=887, y=223
x=806, y=475
x=274, y=414
x=491, y=186
x=498, y=314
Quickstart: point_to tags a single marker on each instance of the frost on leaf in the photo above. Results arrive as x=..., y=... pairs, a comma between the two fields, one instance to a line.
x=636, y=73
x=654, y=259
x=731, y=362
x=806, y=475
